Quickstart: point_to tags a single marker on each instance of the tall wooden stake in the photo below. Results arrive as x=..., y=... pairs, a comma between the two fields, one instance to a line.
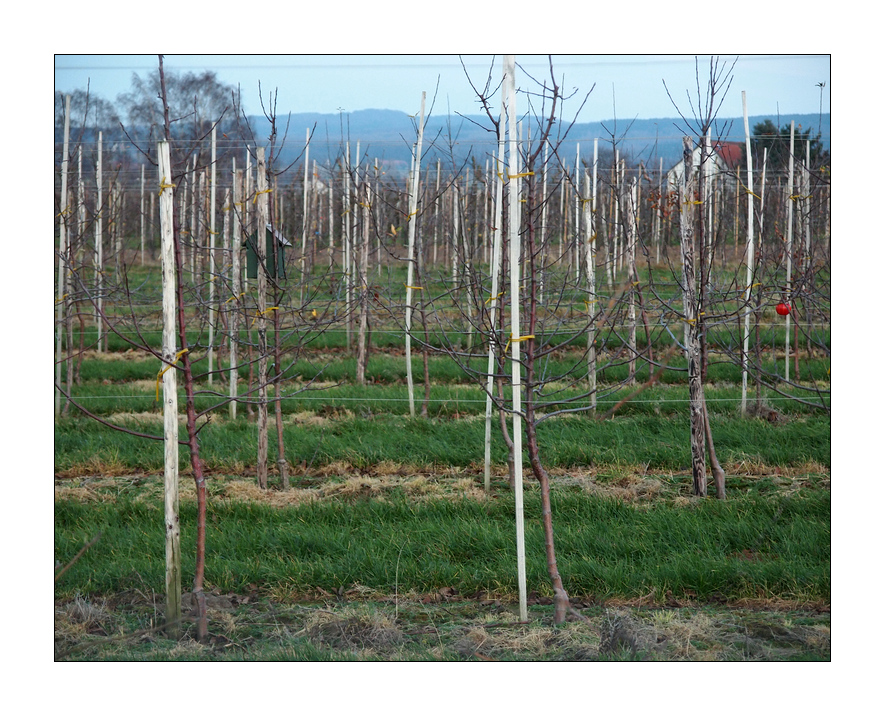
x=235, y=276
x=212, y=266
x=789, y=250
x=630, y=220
x=513, y=230
x=751, y=258
x=493, y=300
x=261, y=317
x=141, y=214
x=305, y=216
x=61, y=298
x=592, y=301
x=362, y=346
x=413, y=213
x=170, y=395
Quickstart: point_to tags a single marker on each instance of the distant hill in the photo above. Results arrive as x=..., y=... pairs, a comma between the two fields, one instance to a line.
x=388, y=136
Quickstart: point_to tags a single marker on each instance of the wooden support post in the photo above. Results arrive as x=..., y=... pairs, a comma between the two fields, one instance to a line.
x=213, y=270
x=362, y=353
x=495, y=270
x=631, y=238
x=305, y=217
x=261, y=317
x=789, y=251
x=141, y=215
x=61, y=298
x=99, y=245
x=413, y=221
x=751, y=259
x=515, y=338
x=592, y=300
x=236, y=273
x=170, y=395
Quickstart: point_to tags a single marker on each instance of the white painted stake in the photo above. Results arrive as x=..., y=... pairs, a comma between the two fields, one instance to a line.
x=62, y=253
x=212, y=268
x=578, y=211
x=331, y=215
x=751, y=257
x=305, y=213
x=81, y=192
x=236, y=273
x=789, y=254
x=261, y=317
x=436, y=213
x=544, y=224
x=170, y=393
x=412, y=219
x=631, y=239
x=493, y=300
x=657, y=228
x=592, y=302
x=347, y=203
x=99, y=245
x=513, y=229
x=141, y=214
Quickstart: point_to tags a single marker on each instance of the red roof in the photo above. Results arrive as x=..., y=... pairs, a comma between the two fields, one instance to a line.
x=730, y=152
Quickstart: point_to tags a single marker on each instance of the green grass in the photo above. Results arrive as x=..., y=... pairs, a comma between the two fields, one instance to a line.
x=658, y=442
x=606, y=548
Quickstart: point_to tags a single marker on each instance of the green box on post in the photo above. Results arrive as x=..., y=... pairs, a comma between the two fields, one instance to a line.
x=275, y=269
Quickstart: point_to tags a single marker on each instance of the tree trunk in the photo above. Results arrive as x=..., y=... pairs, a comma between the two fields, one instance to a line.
x=560, y=597
x=690, y=309
x=718, y=472
x=282, y=465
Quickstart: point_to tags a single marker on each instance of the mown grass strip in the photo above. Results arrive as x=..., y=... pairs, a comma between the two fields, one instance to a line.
x=660, y=443
x=775, y=547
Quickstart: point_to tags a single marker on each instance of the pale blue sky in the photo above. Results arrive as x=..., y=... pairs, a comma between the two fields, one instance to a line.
x=627, y=86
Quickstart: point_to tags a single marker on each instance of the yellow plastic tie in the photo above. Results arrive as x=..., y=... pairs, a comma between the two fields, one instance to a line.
x=164, y=185
x=261, y=313
x=523, y=174
x=234, y=298
x=263, y=191
x=516, y=340
x=174, y=361
x=493, y=298
x=414, y=288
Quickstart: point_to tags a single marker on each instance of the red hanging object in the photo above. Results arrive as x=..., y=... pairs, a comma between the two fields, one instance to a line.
x=783, y=309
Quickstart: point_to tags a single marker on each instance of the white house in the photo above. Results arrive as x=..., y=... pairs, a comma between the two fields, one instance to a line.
x=722, y=157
